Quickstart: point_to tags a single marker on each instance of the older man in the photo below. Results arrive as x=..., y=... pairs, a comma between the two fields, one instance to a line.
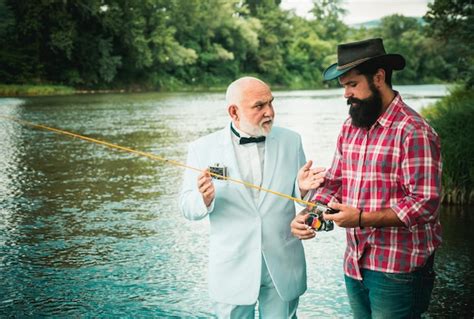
x=252, y=253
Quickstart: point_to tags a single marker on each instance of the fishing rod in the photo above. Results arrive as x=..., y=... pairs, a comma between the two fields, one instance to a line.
x=154, y=157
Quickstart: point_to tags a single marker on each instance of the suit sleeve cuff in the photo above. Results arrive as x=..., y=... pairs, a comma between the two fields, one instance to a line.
x=210, y=208
x=297, y=193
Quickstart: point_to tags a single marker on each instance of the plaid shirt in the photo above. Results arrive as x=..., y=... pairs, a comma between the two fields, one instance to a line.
x=396, y=164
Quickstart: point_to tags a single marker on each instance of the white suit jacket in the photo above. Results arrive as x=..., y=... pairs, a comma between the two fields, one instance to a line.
x=241, y=231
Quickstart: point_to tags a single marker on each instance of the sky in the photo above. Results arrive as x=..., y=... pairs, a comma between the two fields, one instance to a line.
x=366, y=10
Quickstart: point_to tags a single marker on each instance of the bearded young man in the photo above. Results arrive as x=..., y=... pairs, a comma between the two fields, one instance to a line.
x=252, y=253
x=386, y=181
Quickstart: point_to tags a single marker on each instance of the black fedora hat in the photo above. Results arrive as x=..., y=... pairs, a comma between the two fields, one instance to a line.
x=350, y=55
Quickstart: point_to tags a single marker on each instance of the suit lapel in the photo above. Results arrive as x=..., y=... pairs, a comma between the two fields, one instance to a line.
x=230, y=160
x=271, y=155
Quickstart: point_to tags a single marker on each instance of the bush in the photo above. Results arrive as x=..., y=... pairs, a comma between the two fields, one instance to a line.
x=453, y=119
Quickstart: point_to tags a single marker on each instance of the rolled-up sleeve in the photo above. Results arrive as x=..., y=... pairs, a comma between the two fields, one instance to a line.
x=420, y=178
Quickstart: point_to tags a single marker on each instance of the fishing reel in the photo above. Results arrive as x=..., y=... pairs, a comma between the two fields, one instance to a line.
x=315, y=219
x=218, y=169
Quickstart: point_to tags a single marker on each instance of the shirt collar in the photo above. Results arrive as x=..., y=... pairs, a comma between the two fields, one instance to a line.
x=387, y=118
x=242, y=134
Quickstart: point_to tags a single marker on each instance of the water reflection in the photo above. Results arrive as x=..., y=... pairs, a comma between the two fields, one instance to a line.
x=454, y=290
x=90, y=231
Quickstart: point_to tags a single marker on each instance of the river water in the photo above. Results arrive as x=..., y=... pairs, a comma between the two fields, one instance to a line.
x=87, y=231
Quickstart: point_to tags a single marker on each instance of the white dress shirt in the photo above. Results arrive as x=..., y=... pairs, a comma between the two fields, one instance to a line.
x=250, y=159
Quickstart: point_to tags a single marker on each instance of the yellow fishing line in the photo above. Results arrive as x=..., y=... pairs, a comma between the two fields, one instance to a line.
x=154, y=157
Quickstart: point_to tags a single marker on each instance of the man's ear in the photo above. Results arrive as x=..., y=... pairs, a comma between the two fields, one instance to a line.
x=379, y=78
x=232, y=110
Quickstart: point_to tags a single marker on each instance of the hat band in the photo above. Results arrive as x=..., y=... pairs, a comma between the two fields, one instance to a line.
x=353, y=63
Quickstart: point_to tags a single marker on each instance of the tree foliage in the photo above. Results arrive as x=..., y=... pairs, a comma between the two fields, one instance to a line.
x=452, y=24
x=426, y=59
x=155, y=44
x=453, y=119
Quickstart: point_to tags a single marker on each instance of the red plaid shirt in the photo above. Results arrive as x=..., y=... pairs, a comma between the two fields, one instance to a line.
x=396, y=164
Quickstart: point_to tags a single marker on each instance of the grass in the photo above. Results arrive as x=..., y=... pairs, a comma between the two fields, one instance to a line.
x=34, y=90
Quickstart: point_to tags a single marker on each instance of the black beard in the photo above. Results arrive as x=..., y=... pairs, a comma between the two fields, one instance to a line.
x=367, y=111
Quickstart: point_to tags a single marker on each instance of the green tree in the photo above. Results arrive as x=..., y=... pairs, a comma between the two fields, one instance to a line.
x=405, y=35
x=274, y=39
x=19, y=61
x=328, y=22
x=256, y=7
x=222, y=34
x=425, y=57
x=146, y=38
x=170, y=43
x=64, y=41
x=308, y=56
x=452, y=23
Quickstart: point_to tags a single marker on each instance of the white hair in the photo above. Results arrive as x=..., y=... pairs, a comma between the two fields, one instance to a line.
x=235, y=90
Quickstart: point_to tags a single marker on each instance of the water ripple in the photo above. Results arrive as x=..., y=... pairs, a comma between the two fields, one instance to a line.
x=86, y=231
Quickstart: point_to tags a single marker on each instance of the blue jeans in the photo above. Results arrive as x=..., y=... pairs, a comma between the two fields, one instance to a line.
x=386, y=295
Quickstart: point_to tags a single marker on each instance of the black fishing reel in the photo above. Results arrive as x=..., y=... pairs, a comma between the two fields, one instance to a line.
x=315, y=219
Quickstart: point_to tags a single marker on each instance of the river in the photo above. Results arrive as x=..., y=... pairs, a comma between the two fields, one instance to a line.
x=87, y=231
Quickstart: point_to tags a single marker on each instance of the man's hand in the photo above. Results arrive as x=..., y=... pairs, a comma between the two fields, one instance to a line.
x=347, y=216
x=310, y=178
x=206, y=187
x=298, y=227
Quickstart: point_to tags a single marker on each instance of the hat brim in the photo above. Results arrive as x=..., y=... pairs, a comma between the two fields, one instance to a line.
x=394, y=61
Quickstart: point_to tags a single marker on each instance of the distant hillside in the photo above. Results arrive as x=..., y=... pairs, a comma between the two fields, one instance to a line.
x=368, y=24
x=375, y=23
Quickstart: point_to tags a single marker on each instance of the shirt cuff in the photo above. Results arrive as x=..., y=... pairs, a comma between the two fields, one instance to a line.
x=403, y=213
x=210, y=208
x=297, y=192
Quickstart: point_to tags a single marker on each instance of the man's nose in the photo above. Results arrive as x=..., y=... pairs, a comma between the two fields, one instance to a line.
x=269, y=112
x=348, y=93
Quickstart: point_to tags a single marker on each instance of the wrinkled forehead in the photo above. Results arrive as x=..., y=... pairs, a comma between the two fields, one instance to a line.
x=256, y=92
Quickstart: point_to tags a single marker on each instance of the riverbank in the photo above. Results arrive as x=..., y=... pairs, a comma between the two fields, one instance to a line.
x=9, y=90
x=19, y=90
x=22, y=90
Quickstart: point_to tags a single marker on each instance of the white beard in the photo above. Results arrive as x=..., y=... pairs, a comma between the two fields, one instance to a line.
x=255, y=130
